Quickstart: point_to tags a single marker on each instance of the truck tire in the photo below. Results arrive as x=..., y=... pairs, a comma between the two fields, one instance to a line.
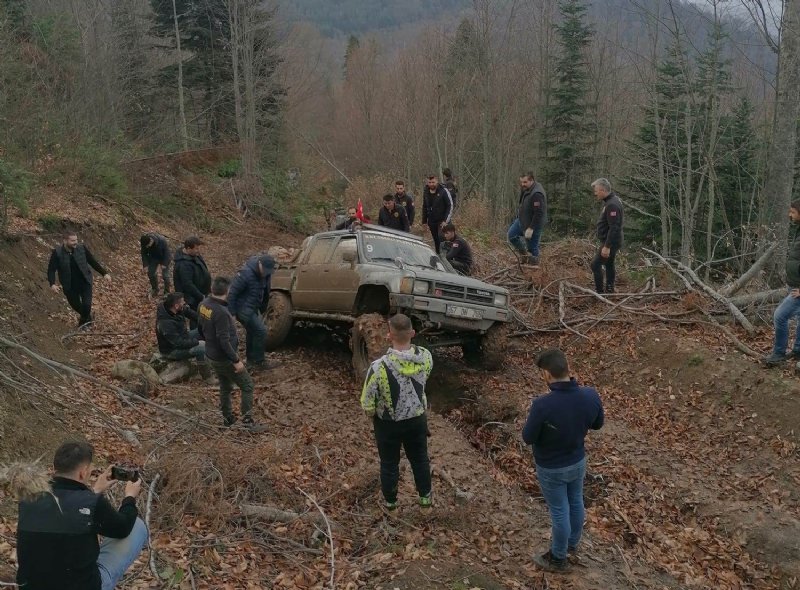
x=494, y=346
x=278, y=319
x=369, y=342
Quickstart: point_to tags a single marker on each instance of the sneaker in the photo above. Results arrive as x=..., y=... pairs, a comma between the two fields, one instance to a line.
x=228, y=421
x=390, y=505
x=609, y=289
x=794, y=355
x=775, y=359
x=549, y=563
x=426, y=501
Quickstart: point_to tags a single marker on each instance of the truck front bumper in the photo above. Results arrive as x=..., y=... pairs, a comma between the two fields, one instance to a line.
x=440, y=312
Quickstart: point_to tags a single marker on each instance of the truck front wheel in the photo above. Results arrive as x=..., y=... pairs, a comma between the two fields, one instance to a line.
x=278, y=319
x=369, y=342
x=494, y=346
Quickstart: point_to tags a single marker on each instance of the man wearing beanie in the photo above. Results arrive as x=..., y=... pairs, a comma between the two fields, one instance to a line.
x=155, y=253
x=247, y=300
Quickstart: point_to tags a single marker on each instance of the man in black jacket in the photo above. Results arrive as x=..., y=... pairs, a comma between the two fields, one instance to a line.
x=351, y=219
x=437, y=209
x=609, y=232
x=393, y=216
x=450, y=184
x=155, y=252
x=175, y=341
x=526, y=231
x=218, y=329
x=405, y=200
x=190, y=275
x=72, y=262
x=457, y=250
x=57, y=545
x=248, y=299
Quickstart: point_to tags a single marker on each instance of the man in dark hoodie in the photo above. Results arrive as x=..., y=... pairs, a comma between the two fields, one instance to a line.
x=790, y=306
x=190, y=274
x=437, y=209
x=156, y=253
x=526, y=231
x=175, y=341
x=57, y=544
x=247, y=300
x=557, y=425
x=392, y=215
x=449, y=183
x=457, y=250
x=394, y=397
x=609, y=233
x=404, y=199
x=71, y=261
x=217, y=327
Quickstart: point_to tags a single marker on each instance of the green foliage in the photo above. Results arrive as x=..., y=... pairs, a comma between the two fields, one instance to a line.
x=229, y=168
x=569, y=133
x=99, y=170
x=15, y=184
x=51, y=222
x=695, y=360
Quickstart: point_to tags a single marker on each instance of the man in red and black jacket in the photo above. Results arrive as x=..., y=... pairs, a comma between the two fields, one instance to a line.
x=609, y=232
x=57, y=545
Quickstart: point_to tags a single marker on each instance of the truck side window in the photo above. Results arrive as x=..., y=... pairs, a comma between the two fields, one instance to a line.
x=320, y=251
x=344, y=245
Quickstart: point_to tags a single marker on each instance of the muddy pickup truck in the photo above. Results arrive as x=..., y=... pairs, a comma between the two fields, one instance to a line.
x=355, y=279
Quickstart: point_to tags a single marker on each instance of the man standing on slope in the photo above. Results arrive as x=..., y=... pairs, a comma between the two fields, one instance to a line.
x=526, y=231
x=247, y=300
x=609, y=232
x=190, y=274
x=71, y=261
x=790, y=306
x=437, y=209
x=556, y=427
x=394, y=397
x=404, y=199
x=155, y=253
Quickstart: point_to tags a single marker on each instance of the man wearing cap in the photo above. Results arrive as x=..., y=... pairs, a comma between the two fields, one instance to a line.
x=190, y=275
x=457, y=250
x=393, y=216
x=155, y=253
x=247, y=300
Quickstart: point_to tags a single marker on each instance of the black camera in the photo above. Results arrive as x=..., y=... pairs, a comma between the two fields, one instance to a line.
x=124, y=473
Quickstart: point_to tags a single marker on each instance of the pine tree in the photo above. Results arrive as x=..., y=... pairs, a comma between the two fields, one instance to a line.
x=569, y=129
x=352, y=45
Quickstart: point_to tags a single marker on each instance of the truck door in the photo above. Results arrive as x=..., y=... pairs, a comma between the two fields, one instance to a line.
x=310, y=286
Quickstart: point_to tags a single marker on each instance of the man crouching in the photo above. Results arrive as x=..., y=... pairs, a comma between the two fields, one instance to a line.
x=57, y=545
x=394, y=397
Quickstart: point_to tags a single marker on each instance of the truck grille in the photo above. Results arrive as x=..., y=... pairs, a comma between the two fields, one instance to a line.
x=449, y=291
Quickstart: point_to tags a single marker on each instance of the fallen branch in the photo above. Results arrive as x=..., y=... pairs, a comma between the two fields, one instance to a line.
x=741, y=346
x=461, y=495
x=772, y=296
x=147, y=525
x=751, y=273
x=562, y=311
x=735, y=311
x=330, y=538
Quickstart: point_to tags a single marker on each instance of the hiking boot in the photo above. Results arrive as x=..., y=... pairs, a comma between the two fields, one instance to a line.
x=207, y=374
x=228, y=421
x=549, y=563
x=775, y=359
x=426, y=501
x=794, y=355
x=390, y=505
x=253, y=427
x=266, y=365
x=609, y=288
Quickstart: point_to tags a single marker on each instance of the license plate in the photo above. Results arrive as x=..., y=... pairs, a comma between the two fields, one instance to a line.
x=456, y=311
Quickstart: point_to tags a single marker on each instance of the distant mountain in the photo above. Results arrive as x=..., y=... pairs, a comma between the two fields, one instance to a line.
x=336, y=18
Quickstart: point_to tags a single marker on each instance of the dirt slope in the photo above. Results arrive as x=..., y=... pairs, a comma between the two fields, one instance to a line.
x=694, y=483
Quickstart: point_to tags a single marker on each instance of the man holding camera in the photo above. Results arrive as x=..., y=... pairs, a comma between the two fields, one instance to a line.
x=57, y=544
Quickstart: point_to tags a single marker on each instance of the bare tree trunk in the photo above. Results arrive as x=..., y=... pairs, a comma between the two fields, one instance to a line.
x=181, y=109
x=780, y=159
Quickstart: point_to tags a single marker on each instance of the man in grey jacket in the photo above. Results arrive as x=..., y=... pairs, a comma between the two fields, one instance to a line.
x=526, y=231
x=790, y=306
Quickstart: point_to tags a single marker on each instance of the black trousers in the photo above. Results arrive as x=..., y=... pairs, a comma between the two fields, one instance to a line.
x=460, y=267
x=412, y=436
x=79, y=297
x=437, y=237
x=597, y=269
x=152, y=274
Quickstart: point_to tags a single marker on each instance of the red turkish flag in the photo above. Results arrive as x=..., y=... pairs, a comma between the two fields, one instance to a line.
x=360, y=211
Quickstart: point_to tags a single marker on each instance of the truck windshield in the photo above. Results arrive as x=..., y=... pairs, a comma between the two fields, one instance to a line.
x=381, y=247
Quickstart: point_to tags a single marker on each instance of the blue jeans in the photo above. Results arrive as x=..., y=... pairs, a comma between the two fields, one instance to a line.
x=788, y=308
x=562, y=489
x=117, y=555
x=516, y=237
x=256, y=334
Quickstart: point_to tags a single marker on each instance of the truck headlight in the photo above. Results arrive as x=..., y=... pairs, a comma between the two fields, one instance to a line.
x=500, y=300
x=407, y=285
x=421, y=287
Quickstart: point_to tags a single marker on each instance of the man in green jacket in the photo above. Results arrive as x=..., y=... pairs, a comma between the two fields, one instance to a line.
x=394, y=397
x=790, y=306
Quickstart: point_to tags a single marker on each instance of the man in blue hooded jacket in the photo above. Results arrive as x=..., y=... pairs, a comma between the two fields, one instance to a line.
x=247, y=300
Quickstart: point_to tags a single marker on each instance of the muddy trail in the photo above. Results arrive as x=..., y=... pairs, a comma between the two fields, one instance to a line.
x=693, y=483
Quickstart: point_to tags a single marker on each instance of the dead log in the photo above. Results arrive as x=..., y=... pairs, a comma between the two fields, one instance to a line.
x=751, y=273
x=735, y=311
x=772, y=296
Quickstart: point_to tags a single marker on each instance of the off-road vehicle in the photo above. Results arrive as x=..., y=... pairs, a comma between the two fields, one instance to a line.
x=356, y=279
